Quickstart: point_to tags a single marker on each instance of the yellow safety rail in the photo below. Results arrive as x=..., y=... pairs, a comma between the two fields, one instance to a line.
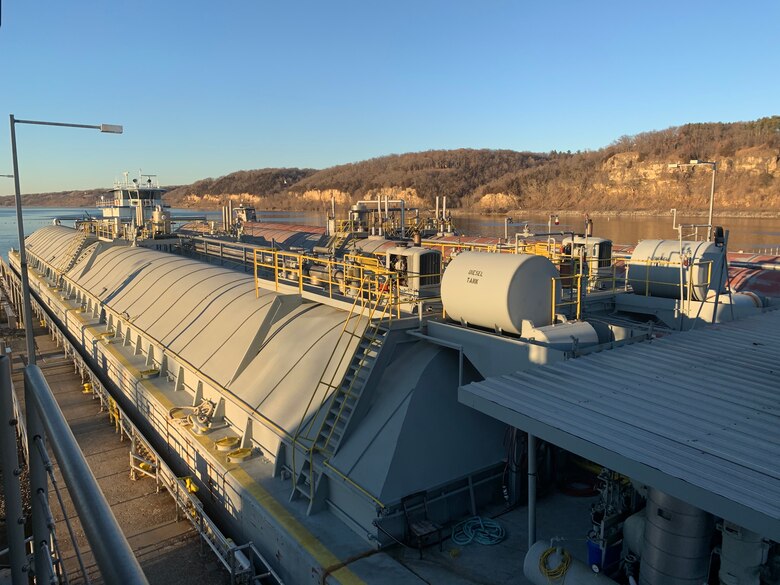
x=390, y=225
x=356, y=321
x=360, y=325
x=547, y=249
x=685, y=270
x=447, y=248
x=99, y=229
x=361, y=278
x=370, y=334
x=572, y=297
x=538, y=248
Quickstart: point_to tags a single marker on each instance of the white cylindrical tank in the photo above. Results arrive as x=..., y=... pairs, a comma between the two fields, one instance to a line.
x=742, y=554
x=634, y=533
x=500, y=290
x=676, y=548
x=554, y=570
x=654, y=268
x=563, y=335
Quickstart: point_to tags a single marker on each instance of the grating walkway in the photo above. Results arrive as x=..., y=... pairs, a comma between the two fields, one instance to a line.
x=169, y=551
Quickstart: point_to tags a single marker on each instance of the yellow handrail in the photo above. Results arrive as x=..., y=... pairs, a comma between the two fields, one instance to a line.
x=576, y=295
x=650, y=263
x=361, y=277
x=309, y=450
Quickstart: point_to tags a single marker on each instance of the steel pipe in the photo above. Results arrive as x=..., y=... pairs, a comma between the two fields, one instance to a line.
x=38, y=484
x=531, y=490
x=26, y=306
x=10, y=461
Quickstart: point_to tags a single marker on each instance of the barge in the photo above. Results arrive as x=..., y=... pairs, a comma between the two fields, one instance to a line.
x=324, y=406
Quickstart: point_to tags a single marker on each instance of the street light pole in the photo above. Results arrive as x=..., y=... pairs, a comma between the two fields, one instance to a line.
x=38, y=478
x=26, y=303
x=714, y=166
x=712, y=198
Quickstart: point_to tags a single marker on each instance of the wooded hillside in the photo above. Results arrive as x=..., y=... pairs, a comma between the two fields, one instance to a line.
x=630, y=174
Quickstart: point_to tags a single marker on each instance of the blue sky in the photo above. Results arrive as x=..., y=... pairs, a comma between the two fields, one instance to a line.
x=207, y=88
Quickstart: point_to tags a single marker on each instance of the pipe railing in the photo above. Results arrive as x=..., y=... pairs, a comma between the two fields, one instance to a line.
x=11, y=488
x=112, y=552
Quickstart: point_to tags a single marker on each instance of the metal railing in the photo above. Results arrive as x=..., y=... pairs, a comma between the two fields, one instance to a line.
x=346, y=279
x=573, y=299
x=239, y=560
x=684, y=268
x=112, y=552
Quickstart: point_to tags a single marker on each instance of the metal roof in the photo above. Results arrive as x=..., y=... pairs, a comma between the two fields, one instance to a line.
x=267, y=348
x=695, y=414
x=54, y=244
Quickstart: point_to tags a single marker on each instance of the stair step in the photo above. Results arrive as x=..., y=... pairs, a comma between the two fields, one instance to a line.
x=339, y=423
x=333, y=433
x=353, y=389
x=303, y=490
x=360, y=377
x=335, y=437
x=361, y=371
x=363, y=358
x=351, y=399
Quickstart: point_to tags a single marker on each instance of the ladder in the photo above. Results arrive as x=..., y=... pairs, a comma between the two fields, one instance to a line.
x=347, y=395
x=369, y=326
x=73, y=252
x=338, y=240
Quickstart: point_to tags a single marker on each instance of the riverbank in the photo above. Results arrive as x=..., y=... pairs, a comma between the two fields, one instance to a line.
x=770, y=214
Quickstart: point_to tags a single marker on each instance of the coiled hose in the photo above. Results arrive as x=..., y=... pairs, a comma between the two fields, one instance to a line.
x=554, y=572
x=479, y=530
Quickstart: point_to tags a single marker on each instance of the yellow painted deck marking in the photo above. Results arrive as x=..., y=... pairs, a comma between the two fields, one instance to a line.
x=298, y=531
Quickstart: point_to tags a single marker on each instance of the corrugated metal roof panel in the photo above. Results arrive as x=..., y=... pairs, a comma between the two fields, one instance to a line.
x=696, y=414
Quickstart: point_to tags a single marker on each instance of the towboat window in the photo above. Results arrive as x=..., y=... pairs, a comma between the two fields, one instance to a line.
x=605, y=254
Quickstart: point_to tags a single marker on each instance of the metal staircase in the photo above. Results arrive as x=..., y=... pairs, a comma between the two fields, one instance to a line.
x=318, y=442
x=338, y=240
x=347, y=395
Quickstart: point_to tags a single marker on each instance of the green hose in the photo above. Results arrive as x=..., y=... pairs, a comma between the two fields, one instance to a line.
x=479, y=530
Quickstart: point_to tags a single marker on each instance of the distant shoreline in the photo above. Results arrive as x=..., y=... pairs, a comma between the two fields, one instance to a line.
x=460, y=212
x=624, y=213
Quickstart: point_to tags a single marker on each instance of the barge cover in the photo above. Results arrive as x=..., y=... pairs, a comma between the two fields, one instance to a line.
x=695, y=414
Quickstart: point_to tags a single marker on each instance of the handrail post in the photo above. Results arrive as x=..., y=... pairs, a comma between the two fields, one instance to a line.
x=552, y=301
x=300, y=273
x=38, y=484
x=276, y=270
x=257, y=282
x=10, y=462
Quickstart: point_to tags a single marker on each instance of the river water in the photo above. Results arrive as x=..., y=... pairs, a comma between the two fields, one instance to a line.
x=748, y=234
